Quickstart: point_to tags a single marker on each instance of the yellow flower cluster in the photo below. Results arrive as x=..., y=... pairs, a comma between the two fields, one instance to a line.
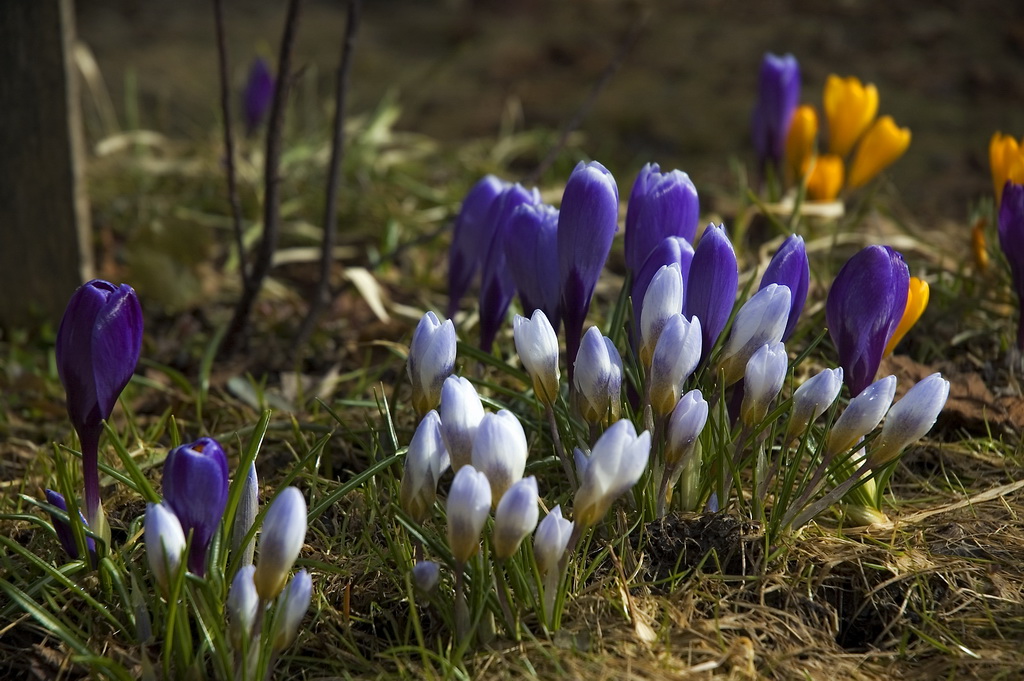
x=850, y=110
x=1006, y=156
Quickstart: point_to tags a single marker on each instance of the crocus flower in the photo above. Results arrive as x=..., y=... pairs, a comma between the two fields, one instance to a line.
x=461, y=412
x=1006, y=157
x=431, y=360
x=616, y=463
x=243, y=605
x=777, y=98
x=257, y=95
x=282, y=537
x=661, y=205
x=761, y=320
x=882, y=145
x=762, y=381
x=801, y=141
x=515, y=517
x=917, y=301
x=98, y=346
x=1011, y=240
x=551, y=539
x=425, y=576
x=425, y=462
x=64, y=534
x=500, y=451
x=673, y=250
x=850, y=107
x=469, y=502
x=685, y=424
x=675, y=357
x=864, y=307
x=910, y=418
x=165, y=543
x=587, y=223
x=245, y=516
x=864, y=412
x=537, y=346
x=496, y=286
x=196, y=488
x=470, y=238
x=812, y=398
x=789, y=267
x=532, y=252
x=598, y=378
x=711, y=287
x=663, y=299
x=292, y=605
x=825, y=178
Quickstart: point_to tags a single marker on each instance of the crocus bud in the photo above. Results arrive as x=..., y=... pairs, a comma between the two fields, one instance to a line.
x=663, y=299
x=471, y=237
x=496, y=285
x=661, y=205
x=281, y=539
x=812, y=398
x=515, y=517
x=762, y=381
x=789, y=267
x=98, y=346
x=711, y=287
x=537, y=346
x=685, y=424
x=800, y=141
x=598, y=378
x=882, y=145
x=910, y=418
x=64, y=534
x=587, y=223
x=196, y=488
x=165, y=543
x=864, y=412
x=532, y=252
x=257, y=95
x=425, y=462
x=245, y=516
x=762, y=320
x=673, y=250
x=461, y=412
x=863, y=309
x=242, y=606
x=1011, y=240
x=581, y=461
x=431, y=360
x=1006, y=157
x=850, y=107
x=825, y=177
x=292, y=605
x=500, y=451
x=551, y=540
x=917, y=301
x=425, y=576
x=616, y=463
x=777, y=98
x=675, y=357
x=469, y=502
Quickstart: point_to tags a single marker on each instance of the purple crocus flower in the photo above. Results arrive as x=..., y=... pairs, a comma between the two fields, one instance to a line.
x=497, y=287
x=64, y=533
x=470, y=238
x=196, y=489
x=863, y=309
x=790, y=268
x=587, y=223
x=710, y=289
x=258, y=93
x=660, y=205
x=98, y=346
x=777, y=97
x=672, y=250
x=1011, y=240
x=532, y=252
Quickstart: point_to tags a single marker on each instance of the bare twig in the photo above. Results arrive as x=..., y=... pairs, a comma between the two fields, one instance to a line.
x=229, y=138
x=322, y=295
x=272, y=198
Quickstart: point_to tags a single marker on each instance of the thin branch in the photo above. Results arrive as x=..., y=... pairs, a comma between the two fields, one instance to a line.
x=229, y=138
x=322, y=295
x=272, y=198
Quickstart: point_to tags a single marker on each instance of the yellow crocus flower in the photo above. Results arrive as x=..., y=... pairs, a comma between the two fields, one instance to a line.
x=979, y=246
x=825, y=178
x=1006, y=157
x=881, y=146
x=917, y=301
x=803, y=131
x=849, y=107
